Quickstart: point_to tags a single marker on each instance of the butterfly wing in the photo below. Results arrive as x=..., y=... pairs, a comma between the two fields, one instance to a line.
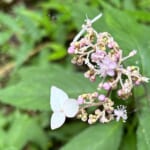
x=57, y=120
x=57, y=98
x=70, y=108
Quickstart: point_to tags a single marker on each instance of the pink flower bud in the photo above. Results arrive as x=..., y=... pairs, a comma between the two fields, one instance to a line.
x=106, y=86
x=71, y=50
x=119, y=92
x=87, y=74
x=111, y=44
x=92, y=78
x=100, y=85
x=80, y=100
x=95, y=95
x=116, y=57
x=89, y=121
x=84, y=42
x=101, y=97
x=137, y=82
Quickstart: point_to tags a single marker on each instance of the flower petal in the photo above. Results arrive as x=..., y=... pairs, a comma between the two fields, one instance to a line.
x=57, y=120
x=71, y=108
x=57, y=98
x=110, y=72
x=112, y=65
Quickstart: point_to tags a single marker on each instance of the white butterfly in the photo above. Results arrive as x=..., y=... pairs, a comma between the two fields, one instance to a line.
x=62, y=107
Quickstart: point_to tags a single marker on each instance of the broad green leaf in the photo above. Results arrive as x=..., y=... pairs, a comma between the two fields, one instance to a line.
x=24, y=129
x=117, y=3
x=143, y=132
x=129, y=5
x=2, y=137
x=22, y=55
x=10, y=148
x=28, y=25
x=63, y=134
x=140, y=15
x=4, y=37
x=35, y=16
x=80, y=11
x=121, y=29
x=33, y=89
x=97, y=137
x=144, y=4
x=7, y=21
x=129, y=142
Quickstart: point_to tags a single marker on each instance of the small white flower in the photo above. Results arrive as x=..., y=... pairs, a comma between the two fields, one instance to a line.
x=103, y=118
x=62, y=107
x=120, y=112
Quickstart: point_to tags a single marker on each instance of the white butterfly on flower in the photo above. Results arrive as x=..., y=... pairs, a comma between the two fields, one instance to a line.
x=62, y=107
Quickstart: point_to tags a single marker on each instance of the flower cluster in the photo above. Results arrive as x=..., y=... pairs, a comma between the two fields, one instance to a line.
x=104, y=113
x=104, y=59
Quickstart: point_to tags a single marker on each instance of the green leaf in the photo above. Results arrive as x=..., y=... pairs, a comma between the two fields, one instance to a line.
x=79, y=11
x=2, y=137
x=129, y=5
x=58, y=51
x=140, y=15
x=104, y=136
x=8, y=22
x=129, y=138
x=22, y=55
x=10, y=148
x=29, y=26
x=63, y=134
x=24, y=129
x=144, y=4
x=117, y=3
x=143, y=132
x=4, y=37
x=129, y=142
x=33, y=90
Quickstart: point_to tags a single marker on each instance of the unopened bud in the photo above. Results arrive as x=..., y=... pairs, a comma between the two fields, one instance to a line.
x=106, y=86
x=101, y=97
x=132, y=53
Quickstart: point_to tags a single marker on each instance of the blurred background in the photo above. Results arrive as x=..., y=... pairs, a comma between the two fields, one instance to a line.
x=34, y=37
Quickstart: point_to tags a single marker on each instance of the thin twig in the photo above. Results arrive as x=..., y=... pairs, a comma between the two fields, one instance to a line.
x=91, y=105
x=84, y=29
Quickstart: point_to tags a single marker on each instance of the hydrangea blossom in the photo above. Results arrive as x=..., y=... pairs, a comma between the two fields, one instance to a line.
x=107, y=67
x=98, y=56
x=104, y=59
x=62, y=107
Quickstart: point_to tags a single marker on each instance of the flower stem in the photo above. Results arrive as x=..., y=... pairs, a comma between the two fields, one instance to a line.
x=84, y=29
